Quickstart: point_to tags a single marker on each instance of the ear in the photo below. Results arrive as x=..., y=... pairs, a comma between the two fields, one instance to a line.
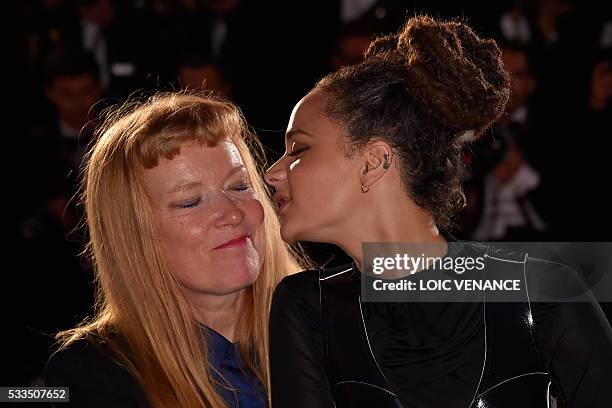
x=377, y=159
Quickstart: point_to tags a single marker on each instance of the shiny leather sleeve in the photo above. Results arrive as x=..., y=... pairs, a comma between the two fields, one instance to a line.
x=575, y=340
x=576, y=344
x=297, y=360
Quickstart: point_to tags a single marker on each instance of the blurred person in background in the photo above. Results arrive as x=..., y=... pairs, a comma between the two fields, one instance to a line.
x=351, y=45
x=187, y=252
x=52, y=272
x=114, y=32
x=73, y=89
x=200, y=73
x=600, y=97
x=503, y=183
x=215, y=30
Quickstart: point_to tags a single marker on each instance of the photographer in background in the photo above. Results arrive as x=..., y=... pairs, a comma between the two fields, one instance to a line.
x=504, y=176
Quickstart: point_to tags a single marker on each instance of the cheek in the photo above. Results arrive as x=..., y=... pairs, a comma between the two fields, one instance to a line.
x=318, y=185
x=253, y=212
x=254, y=218
x=182, y=234
x=322, y=195
x=304, y=179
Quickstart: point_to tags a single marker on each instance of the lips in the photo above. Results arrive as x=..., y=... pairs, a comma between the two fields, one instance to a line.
x=281, y=201
x=235, y=242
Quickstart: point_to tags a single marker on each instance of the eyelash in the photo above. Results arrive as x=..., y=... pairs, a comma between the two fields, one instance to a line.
x=298, y=151
x=190, y=204
x=245, y=186
x=240, y=188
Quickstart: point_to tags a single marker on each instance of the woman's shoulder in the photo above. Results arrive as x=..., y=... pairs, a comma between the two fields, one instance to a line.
x=82, y=353
x=302, y=291
x=297, y=289
x=308, y=282
x=305, y=280
x=93, y=375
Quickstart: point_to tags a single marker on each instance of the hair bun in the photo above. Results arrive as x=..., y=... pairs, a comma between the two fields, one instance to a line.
x=457, y=75
x=382, y=45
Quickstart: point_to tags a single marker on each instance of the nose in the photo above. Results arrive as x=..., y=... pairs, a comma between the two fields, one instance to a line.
x=228, y=213
x=276, y=174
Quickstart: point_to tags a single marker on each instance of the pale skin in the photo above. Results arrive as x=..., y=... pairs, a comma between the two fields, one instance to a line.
x=318, y=188
x=210, y=225
x=218, y=312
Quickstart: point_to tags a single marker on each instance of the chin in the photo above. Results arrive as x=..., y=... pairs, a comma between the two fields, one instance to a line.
x=247, y=271
x=288, y=234
x=239, y=280
x=237, y=270
x=291, y=233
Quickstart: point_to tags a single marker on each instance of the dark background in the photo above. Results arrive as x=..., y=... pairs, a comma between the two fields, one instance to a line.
x=84, y=55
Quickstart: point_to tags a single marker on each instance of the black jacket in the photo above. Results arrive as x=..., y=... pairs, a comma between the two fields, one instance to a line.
x=93, y=378
x=329, y=349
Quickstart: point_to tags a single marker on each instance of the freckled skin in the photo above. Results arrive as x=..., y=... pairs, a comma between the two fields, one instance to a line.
x=215, y=205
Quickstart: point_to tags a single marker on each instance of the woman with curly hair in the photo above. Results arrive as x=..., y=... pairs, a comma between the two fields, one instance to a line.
x=373, y=154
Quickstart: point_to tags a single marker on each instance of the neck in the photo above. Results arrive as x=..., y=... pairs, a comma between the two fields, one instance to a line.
x=219, y=312
x=399, y=221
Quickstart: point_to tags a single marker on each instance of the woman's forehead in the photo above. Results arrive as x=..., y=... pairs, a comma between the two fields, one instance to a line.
x=308, y=115
x=217, y=158
x=305, y=107
x=196, y=163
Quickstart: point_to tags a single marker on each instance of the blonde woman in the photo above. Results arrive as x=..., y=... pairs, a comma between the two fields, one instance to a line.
x=187, y=252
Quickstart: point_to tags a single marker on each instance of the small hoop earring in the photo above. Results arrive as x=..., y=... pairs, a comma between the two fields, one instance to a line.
x=365, y=189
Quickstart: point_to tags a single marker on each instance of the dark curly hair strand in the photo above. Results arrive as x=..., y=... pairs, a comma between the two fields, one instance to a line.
x=423, y=90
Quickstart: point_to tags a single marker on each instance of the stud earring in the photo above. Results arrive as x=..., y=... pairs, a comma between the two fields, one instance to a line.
x=365, y=189
x=386, y=163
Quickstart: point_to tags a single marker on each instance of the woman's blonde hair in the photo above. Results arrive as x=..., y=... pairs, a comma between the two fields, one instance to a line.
x=160, y=342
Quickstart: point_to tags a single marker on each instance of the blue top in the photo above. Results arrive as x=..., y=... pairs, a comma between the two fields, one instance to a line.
x=230, y=371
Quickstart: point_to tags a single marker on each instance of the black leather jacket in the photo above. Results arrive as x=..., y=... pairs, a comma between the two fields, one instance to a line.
x=326, y=352
x=513, y=374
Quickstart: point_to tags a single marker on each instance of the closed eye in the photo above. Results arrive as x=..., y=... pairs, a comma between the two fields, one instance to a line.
x=190, y=204
x=298, y=151
x=242, y=187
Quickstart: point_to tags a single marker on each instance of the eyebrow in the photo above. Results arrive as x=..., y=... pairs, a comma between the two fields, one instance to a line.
x=188, y=185
x=291, y=133
x=184, y=186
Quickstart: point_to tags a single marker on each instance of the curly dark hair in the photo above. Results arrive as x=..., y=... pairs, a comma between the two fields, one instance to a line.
x=426, y=91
